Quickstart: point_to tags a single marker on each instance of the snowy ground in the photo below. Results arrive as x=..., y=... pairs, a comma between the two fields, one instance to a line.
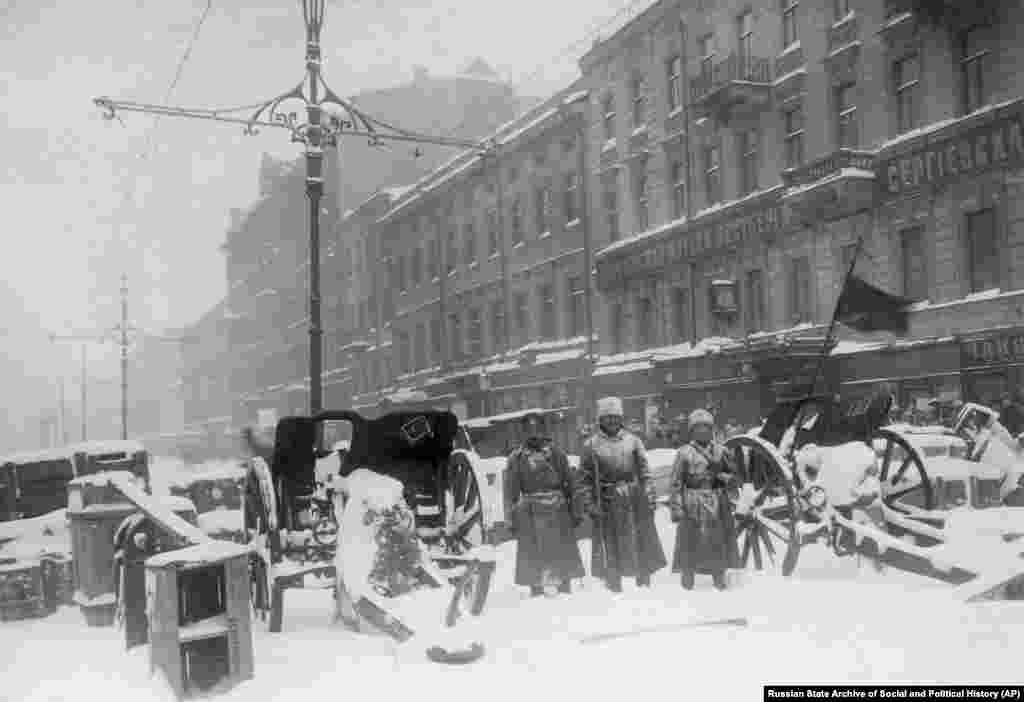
x=833, y=622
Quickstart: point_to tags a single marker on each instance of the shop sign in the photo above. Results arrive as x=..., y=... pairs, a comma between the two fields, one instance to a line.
x=696, y=242
x=1007, y=348
x=993, y=145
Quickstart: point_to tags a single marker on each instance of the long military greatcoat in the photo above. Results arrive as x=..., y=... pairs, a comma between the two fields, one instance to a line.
x=541, y=499
x=617, y=483
x=705, y=531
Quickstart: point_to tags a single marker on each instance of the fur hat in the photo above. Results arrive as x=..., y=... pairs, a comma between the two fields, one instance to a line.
x=609, y=407
x=701, y=416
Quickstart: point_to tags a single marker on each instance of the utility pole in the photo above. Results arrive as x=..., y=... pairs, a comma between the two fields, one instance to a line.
x=85, y=397
x=124, y=357
x=327, y=118
x=63, y=416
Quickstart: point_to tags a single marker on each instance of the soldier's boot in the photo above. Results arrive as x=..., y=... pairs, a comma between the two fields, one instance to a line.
x=719, y=580
x=614, y=583
x=687, y=579
x=643, y=580
x=536, y=590
x=565, y=587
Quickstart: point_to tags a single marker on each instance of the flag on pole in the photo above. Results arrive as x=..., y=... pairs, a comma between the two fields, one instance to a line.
x=866, y=308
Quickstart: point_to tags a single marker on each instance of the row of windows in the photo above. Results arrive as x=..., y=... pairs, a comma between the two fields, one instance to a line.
x=907, y=93
x=423, y=263
x=983, y=265
x=422, y=346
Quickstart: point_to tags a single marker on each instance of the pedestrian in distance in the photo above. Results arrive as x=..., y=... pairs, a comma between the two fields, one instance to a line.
x=703, y=473
x=542, y=498
x=621, y=500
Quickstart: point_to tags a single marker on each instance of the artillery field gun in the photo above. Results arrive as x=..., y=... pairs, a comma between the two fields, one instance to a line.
x=889, y=493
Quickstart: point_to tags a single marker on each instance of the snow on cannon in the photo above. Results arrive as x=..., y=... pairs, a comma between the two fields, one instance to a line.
x=395, y=514
x=813, y=474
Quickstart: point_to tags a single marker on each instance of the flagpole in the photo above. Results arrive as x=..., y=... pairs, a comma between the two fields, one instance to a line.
x=832, y=325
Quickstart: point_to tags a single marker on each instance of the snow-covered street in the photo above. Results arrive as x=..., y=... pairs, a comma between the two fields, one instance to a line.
x=832, y=622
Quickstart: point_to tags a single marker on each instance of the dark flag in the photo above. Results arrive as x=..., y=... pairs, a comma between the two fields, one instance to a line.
x=866, y=308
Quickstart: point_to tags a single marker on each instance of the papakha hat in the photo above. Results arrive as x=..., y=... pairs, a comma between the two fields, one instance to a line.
x=701, y=416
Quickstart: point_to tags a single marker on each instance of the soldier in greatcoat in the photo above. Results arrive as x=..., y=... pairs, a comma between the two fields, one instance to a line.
x=703, y=472
x=621, y=500
x=542, y=501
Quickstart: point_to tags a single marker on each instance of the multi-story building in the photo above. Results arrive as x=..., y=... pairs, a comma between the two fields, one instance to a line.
x=721, y=161
x=206, y=375
x=267, y=251
x=481, y=281
x=155, y=390
x=743, y=148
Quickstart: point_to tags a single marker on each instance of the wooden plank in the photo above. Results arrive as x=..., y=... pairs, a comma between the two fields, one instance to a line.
x=164, y=645
x=159, y=513
x=239, y=617
x=665, y=628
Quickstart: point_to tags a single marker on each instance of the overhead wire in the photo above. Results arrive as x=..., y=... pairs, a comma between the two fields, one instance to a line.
x=178, y=72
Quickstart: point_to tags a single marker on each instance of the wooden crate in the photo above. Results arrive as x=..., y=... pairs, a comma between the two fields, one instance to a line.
x=96, y=509
x=200, y=629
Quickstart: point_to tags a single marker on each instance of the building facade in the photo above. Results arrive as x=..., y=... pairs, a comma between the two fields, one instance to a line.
x=805, y=128
x=205, y=387
x=689, y=208
x=481, y=285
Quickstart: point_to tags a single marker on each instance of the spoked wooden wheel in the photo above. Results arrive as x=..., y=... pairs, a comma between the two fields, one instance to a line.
x=901, y=473
x=767, y=511
x=463, y=505
x=259, y=522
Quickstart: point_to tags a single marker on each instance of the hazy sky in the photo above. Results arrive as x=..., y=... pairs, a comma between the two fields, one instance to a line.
x=83, y=203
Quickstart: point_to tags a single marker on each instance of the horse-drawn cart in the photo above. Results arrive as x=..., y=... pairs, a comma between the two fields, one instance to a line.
x=815, y=474
x=292, y=522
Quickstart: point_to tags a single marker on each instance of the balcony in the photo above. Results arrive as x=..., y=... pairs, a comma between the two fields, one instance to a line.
x=844, y=50
x=736, y=84
x=791, y=72
x=831, y=187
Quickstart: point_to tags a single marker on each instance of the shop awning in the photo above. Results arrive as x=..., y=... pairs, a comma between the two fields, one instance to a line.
x=484, y=422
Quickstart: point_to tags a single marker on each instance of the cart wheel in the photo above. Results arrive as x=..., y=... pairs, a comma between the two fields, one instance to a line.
x=464, y=497
x=470, y=593
x=770, y=520
x=901, y=473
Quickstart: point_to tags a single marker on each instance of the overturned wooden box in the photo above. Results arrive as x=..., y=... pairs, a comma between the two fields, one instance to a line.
x=199, y=617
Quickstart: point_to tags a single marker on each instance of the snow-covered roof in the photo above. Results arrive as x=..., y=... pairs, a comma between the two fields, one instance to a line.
x=111, y=446
x=52, y=454
x=212, y=550
x=466, y=160
x=483, y=422
x=623, y=368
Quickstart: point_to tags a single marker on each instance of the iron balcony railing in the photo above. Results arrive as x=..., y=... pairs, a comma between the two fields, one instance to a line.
x=733, y=69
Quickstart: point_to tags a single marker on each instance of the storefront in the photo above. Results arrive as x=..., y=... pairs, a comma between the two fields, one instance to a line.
x=992, y=364
x=914, y=372
x=743, y=381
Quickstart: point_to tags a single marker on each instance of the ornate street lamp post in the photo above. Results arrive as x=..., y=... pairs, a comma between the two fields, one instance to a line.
x=327, y=118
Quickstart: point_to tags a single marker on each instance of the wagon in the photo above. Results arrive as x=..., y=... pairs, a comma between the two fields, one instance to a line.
x=290, y=521
x=789, y=500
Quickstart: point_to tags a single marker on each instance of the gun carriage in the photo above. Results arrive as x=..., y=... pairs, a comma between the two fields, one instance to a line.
x=290, y=519
x=814, y=473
